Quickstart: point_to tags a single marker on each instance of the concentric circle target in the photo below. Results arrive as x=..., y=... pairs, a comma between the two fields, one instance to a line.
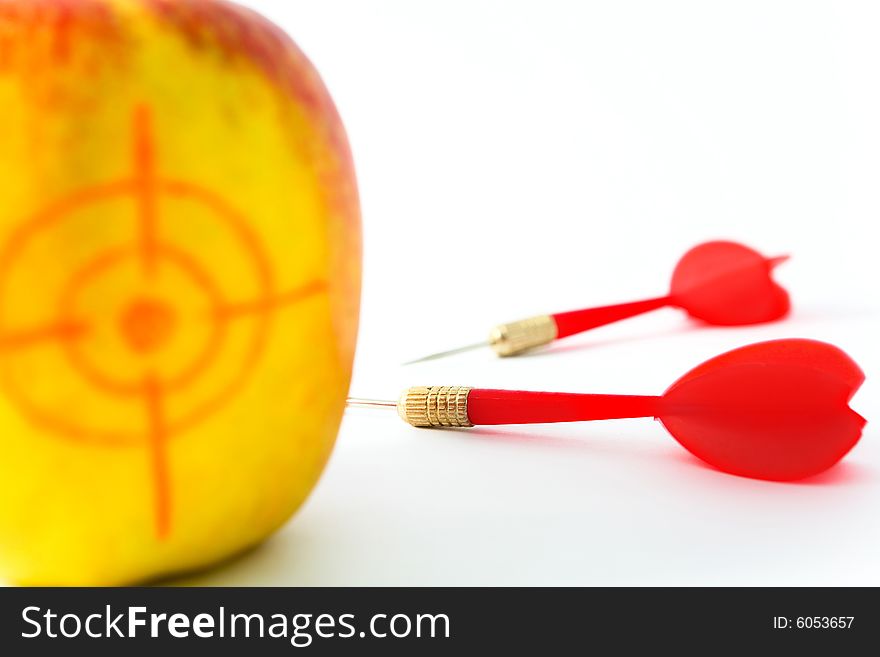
x=124, y=316
x=108, y=302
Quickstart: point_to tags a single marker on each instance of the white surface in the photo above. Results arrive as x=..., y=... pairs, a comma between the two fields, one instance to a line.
x=558, y=155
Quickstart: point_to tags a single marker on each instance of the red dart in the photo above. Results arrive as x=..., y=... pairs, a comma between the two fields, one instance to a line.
x=774, y=410
x=719, y=283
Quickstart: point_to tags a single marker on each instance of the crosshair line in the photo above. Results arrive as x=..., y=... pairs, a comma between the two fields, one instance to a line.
x=158, y=444
x=59, y=331
x=145, y=183
x=270, y=304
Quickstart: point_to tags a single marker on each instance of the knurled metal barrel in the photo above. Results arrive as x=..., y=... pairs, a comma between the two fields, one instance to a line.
x=435, y=406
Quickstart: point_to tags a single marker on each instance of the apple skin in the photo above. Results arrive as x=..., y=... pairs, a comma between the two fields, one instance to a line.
x=180, y=252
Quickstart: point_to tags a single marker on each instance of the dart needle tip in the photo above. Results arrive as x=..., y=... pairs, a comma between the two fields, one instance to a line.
x=448, y=352
x=359, y=402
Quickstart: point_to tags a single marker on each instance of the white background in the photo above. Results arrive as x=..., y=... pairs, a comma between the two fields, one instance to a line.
x=522, y=157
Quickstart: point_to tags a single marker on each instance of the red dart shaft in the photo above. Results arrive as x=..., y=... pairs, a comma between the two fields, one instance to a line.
x=577, y=321
x=522, y=407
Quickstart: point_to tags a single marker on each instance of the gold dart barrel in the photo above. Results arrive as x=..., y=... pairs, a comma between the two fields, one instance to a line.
x=435, y=406
x=509, y=339
x=516, y=337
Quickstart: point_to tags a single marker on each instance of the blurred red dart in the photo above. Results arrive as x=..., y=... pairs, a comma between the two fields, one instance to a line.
x=774, y=410
x=720, y=283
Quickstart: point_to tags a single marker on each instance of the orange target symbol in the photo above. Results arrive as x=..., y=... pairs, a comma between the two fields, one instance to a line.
x=108, y=313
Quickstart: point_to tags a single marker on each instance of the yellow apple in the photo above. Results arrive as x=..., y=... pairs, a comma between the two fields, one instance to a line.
x=179, y=285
